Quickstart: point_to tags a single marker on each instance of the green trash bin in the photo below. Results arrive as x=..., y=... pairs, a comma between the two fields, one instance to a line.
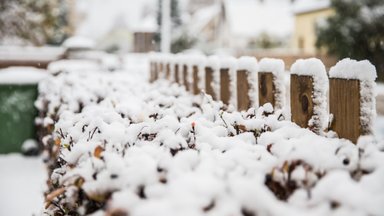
x=17, y=110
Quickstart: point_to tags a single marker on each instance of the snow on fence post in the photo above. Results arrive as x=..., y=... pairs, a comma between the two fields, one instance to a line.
x=271, y=82
x=352, y=98
x=309, y=83
x=246, y=82
x=227, y=65
x=211, y=77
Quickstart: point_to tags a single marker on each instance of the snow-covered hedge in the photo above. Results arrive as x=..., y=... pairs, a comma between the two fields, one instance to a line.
x=116, y=145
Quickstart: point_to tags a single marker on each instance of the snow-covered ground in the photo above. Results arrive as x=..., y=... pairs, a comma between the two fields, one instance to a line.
x=22, y=183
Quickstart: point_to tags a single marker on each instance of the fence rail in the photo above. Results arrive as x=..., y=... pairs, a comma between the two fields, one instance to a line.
x=351, y=99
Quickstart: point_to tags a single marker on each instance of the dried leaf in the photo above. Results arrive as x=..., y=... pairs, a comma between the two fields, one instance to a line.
x=97, y=152
x=57, y=141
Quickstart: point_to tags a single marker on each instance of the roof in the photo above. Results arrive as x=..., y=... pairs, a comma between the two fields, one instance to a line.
x=306, y=6
x=101, y=17
x=203, y=16
x=249, y=18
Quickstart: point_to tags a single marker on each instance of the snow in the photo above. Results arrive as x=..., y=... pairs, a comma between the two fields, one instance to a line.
x=213, y=62
x=78, y=42
x=351, y=69
x=315, y=68
x=305, y=6
x=275, y=66
x=22, y=75
x=247, y=63
x=22, y=184
x=72, y=65
x=43, y=54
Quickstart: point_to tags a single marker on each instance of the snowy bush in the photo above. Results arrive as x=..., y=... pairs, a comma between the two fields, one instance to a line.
x=116, y=145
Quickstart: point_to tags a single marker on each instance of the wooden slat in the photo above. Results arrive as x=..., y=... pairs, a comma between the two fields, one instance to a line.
x=209, y=82
x=344, y=102
x=176, y=68
x=156, y=71
x=151, y=72
x=195, y=83
x=301, y=99
x=225, y=92
x=243, y=100
x=266, y=88
x=161, y=70
x=185, y=77
x=168, y=71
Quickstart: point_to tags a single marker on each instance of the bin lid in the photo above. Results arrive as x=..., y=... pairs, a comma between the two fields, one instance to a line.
x=22, y=75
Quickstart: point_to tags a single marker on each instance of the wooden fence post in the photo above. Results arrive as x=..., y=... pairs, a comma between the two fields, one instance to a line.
x=197, y=67
x=167, y=70
x=266, y=88
x=271, y=82
x=225, y=92
x=185, y=76
x=309, y=83
x=227, y=67
x=246, y=82
x=160, y=66
x=208, y=82
x=243, y=100
x=176, y=72
x=352, y=112
x=195, y=84
x=211, y=77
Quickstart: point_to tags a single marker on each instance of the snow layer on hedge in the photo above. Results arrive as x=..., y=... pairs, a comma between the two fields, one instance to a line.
x=277, y=68
x=22, y=75
x=351, y=69
x=154, y=149
x=315, y=68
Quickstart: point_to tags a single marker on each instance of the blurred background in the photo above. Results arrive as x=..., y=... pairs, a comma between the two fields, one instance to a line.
x=287, y=29
x=34, y=33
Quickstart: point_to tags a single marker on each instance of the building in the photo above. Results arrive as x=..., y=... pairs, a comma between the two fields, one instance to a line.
x=308, y=15
x=241, y=24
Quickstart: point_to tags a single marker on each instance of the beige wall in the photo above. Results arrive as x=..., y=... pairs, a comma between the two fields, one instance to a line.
x=304, y=38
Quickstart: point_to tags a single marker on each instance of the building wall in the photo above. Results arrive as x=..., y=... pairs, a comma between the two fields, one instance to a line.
x=304, y=39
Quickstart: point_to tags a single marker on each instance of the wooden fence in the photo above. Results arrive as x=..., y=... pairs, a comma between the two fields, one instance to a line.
x=308, y=93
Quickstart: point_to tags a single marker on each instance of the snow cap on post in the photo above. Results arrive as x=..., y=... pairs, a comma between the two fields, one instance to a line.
x=352, y=69
x=228, y=62
x=247, y=63
x=213, y=62
x=309, y=67
x=275, y=66
x=196, y=60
